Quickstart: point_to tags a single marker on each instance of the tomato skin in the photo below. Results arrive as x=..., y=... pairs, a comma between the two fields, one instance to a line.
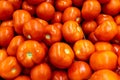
x=7, y=23
x=29, y=53
x=45, y=11
x=59, y=74
x=76, y=72
x=19, y=18
x=22, y=77
x=104, y=74
x=33, y=30
x=43, y=22
x=13, y=45
x=62, y=53
x=51, y=1
x=6, y=12
x=41, y=72
x=116, y=48
x=103, y=1
x=9, y=68
x=71, y=13
x=92, y=37
x=57, y=18
x=106, y=31
x=3, y=55
x=72, y=28
x=35, y=2
x=78, y=3
x=61, y=5
x=6, y=34
x=117, y=19
x=103, y=60
x=90, y=9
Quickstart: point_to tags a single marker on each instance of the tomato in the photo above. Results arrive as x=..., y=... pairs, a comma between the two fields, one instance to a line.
x=103, y=60
x=102, y=46
x=116, y=48
x=13, y=45
x=104, y=74
x=51, y=1
x=9, y=68
x=72, y=31
x=16, y=3
x=3, y=55
x=35, y=2
x=6, y=34
x=7, y=23
x=29, y=53
x=19, y=18
x=79, y=70
x=59, y=75
x=43, y=22
x=34, y=30
x=117, y=19
x=106, y=31
x=52, y=34
x=30, y=8
x=41, y=72
x=90, y=9
x=5, y=12
x=61, y=55
x=22, y=77
x=108, y=8
x=103, y=17
x=58, y=25
x=45, y=11
x=78, y=3
x=57, y=18
x=92, y=37
x=83, y=49
x=61, y=5
x=103, y=1
x=89, y=26
x=71, y=13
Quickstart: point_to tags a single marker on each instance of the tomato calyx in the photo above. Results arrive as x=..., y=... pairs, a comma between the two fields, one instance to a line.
x=29, y=55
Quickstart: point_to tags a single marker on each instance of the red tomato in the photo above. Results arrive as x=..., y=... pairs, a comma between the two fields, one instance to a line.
x=35, y=2
x=3, y=55
x=34, y=30
x=58, y=25
x=51, y=1
x=41, y=72
x=52, y=34
x=19, y=18
x=72, y=31
x=116, y=48
x=6, y=34
x=59, y=75
x=43, y=22
x=90, y=9
x=79, y=70
x=57, y=17
x=61, y=55
x=22, y=77
x=45, y=11
x=30, y=52
x=117, y=19
x=13, y=45
x=9, y=68
x=92, y=37
x=61, y=5
x=6, y=10
x=71, y=13
x=7, y=23
x=78, y=3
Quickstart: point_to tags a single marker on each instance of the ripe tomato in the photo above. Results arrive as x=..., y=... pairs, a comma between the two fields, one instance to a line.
x=61, y=55
x=72, y=31
x=6, y=34
x=92, y=37
x=89, y=26
x=79, y=70
x=78, y=3
x=45, y=11
x=3, y=55
x=103, y=60
x=30, y=8
x=41, y=72
x=34, y=30
x=22, y=77
x=117, y=19
x=83, y=49
x=90, y=9
x=103, y=17
x=51, y=1
x=59, y=75
x=7, y=23
x=13, y=45
x=9, y=68
x=30, y=52
x=35, y=2
x=103, y=46
x=57, y=17
x=5, y=12
x=104, y=74
x=19, y=18
x=71, y=13
x=116, y=48
x=103, y=1
x=52, y=34
x=58, y=25
x=16, y=3
x=43, y=22
x=106, y=31
x=112, y=7
x=61, y=5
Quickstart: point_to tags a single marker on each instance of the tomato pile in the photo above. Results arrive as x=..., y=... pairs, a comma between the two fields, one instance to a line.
x=59, y=40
